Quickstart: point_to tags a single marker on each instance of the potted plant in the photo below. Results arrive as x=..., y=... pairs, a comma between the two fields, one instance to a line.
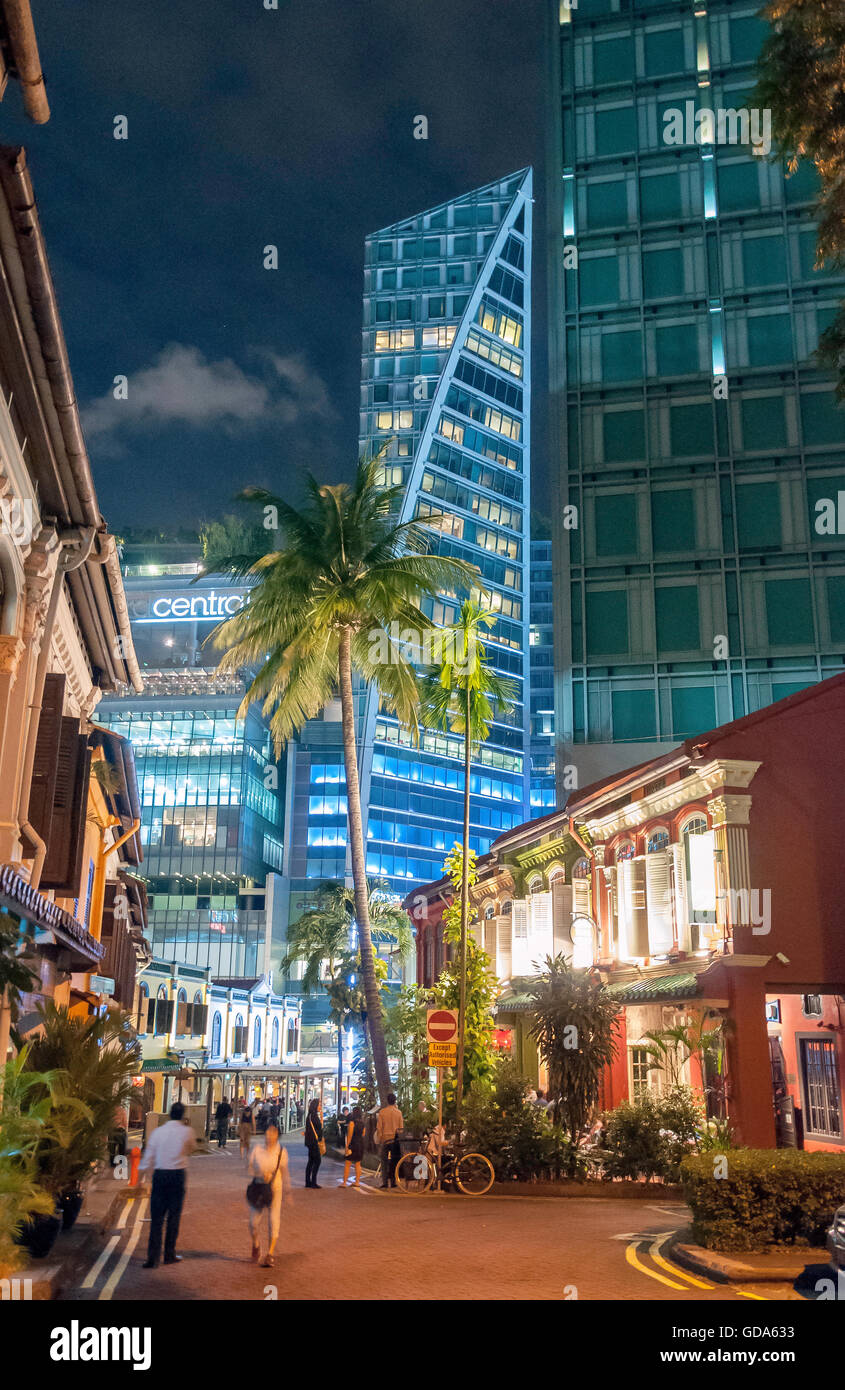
x=96, y=1058
x=28, y=1215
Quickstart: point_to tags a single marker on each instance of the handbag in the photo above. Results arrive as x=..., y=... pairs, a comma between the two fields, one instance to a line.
x=259, y=1192
x=321, y=1143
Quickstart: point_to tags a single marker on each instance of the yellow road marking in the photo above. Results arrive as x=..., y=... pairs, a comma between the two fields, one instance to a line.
x=758, y=1296
x=94, y=1273
x=654, y=1251
x=636, y=1263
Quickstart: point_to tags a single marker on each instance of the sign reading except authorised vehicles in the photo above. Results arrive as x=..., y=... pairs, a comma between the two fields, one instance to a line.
x=442, y=1026
x=442, y=1054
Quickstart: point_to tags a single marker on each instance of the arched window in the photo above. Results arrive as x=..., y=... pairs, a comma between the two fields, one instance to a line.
x=657, y=840
x=181, y=1013
x=161, y=997
x=625, y=851
x=489, y=911
x=256, y=1038
x=536, y=884
x=216, y=1034
x=581, y=868
x=239, y=1039
x=274, y=1037
x=141, y=1024
x=696, y=825
x=507, y=908
x=196, y=1014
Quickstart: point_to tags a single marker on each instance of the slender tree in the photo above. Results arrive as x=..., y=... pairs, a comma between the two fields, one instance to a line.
x=330, y=602
x=462, y=694
x=801, y=80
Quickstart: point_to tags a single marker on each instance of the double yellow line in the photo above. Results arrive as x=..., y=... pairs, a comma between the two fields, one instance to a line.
x=654, y=1250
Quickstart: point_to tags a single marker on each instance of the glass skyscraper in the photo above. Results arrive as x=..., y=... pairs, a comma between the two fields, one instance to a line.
x=541, y=693
x=446, y=376
x=694, y=433
x=212, y=794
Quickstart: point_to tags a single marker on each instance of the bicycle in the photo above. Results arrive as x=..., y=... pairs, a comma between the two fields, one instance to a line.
x=417, y=1172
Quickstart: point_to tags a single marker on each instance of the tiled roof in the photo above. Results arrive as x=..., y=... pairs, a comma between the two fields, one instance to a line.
x=654, y=988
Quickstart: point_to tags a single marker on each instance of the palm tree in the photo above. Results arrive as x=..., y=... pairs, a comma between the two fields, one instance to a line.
x=322, y=940
x=461, y=694
x=348, y=577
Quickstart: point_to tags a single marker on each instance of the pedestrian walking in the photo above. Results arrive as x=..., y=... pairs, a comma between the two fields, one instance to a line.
x=388, y=1126
x=270, y=1183
x=221, y=1120
x=354, y=1146
x=314, y=1142
x=246, y=1129
x=342, y=1126
x=167, y=1152
x=300, y=1113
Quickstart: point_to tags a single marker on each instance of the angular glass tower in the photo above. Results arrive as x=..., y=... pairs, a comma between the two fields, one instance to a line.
x=446, y=373
x=542, y=680
x=694, y=433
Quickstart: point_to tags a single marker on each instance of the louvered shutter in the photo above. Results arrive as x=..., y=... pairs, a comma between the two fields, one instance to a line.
x=561, y=917
x=520, y=958
x=581, y=897
x=63, y=864
x=490, y=938
x=44, y=769
x=181, y=1017
x=540, y=940
x=638, y=936
x=614, y=909
x=504, y=948
x=679, y=894
x=199, y=1020
x=624, y=894
x=659, y=903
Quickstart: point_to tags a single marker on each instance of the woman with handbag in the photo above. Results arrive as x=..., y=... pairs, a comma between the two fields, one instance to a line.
x=268, y=1163
x=314, y=1142
x=354, y=1151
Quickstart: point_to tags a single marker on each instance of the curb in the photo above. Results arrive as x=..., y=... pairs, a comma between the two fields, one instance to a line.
x=50, y=1277
x=728, y=1271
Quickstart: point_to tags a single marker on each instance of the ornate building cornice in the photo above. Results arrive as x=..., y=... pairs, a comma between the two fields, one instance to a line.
x=699, y=785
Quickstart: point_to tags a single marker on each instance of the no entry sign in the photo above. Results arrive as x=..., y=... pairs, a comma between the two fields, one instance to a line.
x=441, y=1025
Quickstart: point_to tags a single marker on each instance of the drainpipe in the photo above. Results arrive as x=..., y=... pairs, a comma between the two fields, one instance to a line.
x=98, y=888
x=68, y=560
x=25, y=55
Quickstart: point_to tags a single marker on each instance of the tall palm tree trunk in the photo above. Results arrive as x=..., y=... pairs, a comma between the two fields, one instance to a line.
x=359, y=868
x=462, y=1005
x=339, y=1068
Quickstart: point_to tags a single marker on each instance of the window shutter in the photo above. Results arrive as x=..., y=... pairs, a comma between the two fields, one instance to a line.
x=144, y=1009
x=638, y=936
x=659, y=903
x=520, y=958
x=581, y=897
x=43, y=788
x=490, y=939
x=562, y=894
x=504, y=951
x=624, y=874
x=614, y=908
x=63, y=864
x=182, y=1017
x=540, y=937
x=679, y=893
x=200, y=1020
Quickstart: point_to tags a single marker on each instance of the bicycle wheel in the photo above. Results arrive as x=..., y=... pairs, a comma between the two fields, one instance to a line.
x=415, y=1173
x=474, y=1174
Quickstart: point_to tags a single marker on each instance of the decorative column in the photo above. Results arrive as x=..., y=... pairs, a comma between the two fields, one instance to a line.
x=729, y=813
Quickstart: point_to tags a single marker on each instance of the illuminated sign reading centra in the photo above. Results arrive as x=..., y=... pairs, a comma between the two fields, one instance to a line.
x=197, y=608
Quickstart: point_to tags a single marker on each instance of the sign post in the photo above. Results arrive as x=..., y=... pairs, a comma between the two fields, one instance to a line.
x=441, y=1028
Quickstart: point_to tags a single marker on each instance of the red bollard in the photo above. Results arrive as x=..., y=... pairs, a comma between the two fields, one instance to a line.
x=134, y=1160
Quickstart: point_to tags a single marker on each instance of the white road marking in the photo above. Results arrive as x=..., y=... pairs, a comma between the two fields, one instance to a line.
x=117, y=1273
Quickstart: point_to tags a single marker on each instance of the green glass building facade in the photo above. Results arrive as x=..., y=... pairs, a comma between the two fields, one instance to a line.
x=693, y=432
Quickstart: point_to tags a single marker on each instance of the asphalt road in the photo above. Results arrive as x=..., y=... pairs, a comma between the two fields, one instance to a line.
x=364, y=1244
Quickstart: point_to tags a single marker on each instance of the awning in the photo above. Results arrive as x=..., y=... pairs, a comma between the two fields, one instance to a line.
x=161, y=1064
x=658, y=989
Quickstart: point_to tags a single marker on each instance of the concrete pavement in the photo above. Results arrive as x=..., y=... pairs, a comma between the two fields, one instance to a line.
x=346, y=1244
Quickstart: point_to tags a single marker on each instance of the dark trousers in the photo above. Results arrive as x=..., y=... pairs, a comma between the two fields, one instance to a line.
x=166, y=1201
x=390, y=1156
x=312, y=1167
x=222, y=1133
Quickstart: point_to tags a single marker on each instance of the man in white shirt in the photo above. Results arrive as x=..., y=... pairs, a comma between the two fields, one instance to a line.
x=167, y=1152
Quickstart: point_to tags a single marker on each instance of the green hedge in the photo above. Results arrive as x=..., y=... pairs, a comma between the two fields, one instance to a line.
x=766, y=1197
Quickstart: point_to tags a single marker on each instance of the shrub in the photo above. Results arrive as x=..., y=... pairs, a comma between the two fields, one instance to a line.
x=516, y=1136
x=765, y=1197
x=648, y=1137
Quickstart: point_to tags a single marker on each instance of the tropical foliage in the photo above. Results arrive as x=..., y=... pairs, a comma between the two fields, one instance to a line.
x=648, y=1137
x=27, y=1102
x=333, y=600
x=477, y=981
x=574, y=1027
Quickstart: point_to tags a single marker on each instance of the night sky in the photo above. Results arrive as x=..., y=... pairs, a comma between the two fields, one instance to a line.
x=247, y=127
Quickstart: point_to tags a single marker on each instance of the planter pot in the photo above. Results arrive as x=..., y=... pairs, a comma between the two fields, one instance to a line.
x=71, y=1205
x=39, y=1234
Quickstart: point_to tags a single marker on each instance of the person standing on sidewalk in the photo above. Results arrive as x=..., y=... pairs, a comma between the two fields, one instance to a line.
x=388, y=1127
x=354, y=1151
x=313, y=1142
x=167, y=1152
x=268, y=1163
x=221, y=1121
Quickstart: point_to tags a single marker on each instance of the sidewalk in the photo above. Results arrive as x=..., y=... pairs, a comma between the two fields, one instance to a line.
x=73, y=1250
x=783, y=1266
